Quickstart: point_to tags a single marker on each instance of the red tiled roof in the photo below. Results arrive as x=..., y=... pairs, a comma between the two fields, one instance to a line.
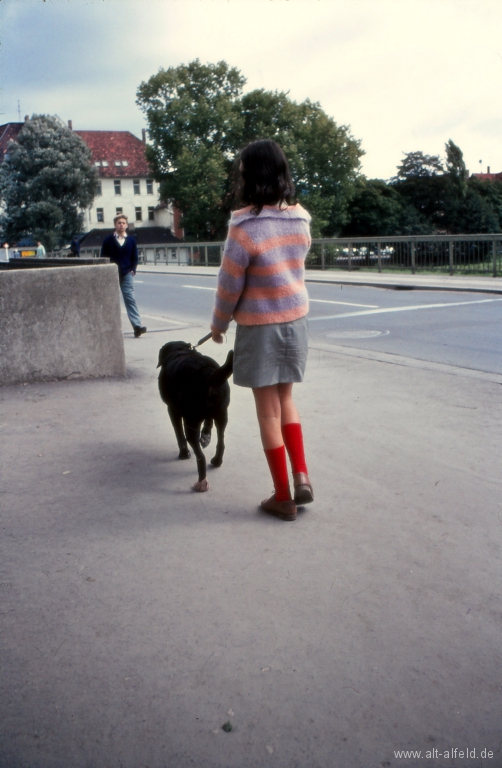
x=8, y=132
x=488, y=176
x=116, y=146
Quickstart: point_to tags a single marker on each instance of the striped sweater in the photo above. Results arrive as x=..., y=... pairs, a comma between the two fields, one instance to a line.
x=261, y=280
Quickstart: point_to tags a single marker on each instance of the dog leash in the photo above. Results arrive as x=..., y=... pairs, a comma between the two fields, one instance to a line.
x=202, y=341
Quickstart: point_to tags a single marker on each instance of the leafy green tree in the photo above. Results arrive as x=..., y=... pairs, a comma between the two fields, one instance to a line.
x=490, y=193
x=444, y=198
x=421, y=182
x=198, y=120
x=324, y=158
x=455, y=167
x=417, y=165
x=377, y=209
x=478, y=210
x=470, y=206
x=194, y=127
x=46, y=180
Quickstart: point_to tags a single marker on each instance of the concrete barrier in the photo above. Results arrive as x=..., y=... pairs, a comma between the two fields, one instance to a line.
x=60, y=323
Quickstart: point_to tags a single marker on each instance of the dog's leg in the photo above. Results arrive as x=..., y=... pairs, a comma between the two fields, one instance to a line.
x=205, y=437
x=177, y=423
x=193, y=437
x=221, y=422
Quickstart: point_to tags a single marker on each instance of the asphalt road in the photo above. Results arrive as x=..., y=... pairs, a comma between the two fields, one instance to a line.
x=452, y=328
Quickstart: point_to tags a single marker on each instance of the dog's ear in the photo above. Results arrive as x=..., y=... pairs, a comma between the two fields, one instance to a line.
x=222, y=374
x=163, y=353
x=161, y=356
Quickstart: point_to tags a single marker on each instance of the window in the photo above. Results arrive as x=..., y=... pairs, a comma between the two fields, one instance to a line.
x=98, y=162
x=139, y=214
x=118, y=162
x=137, y=190
x=116, y=184
x=125, y=162
x=151, y=213
x=104, y=163
x=99, y=191
x=118, y=211
x=149, y=187
x=101, y=216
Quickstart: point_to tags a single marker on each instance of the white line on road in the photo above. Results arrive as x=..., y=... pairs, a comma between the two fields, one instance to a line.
x=321, y=301
x=346, y=303
x=401, y=309
x=160, y=317
x=200, y=287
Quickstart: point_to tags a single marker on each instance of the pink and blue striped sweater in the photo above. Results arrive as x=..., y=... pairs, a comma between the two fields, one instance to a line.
x=261, y=280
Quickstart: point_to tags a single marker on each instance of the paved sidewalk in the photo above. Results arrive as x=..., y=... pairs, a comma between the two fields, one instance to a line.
x=139, y=617
x=404, y=280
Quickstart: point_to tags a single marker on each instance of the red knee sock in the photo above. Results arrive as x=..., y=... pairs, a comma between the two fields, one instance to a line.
x=276, y=458
x=293, y=440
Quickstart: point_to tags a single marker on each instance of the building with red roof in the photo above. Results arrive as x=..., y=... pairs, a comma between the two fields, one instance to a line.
x=487, y=176
x=125, y=182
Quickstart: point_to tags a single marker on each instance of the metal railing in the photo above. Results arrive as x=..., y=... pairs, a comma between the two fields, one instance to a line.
x=449, y=254
x=193, y=254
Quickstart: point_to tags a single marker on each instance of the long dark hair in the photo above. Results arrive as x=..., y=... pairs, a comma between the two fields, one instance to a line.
x=264, y=175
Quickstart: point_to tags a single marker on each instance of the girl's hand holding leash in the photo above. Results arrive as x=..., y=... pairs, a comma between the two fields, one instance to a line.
x=217, y=337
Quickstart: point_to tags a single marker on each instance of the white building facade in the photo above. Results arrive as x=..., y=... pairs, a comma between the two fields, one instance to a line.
x=125, y=183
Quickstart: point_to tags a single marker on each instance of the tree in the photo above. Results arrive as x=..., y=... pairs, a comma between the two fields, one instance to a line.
x=194, y=127
x=417, y=165
x=324, y=158
x=377, y=209
x=477, y=210
x=444, y=198
x=455, y=167
x=421, y=182
x=198, y=120
x=490, y=193
x=46, y=179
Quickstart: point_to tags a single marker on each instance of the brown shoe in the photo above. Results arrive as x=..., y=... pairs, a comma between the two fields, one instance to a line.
x=304, y=493
x=286, y=510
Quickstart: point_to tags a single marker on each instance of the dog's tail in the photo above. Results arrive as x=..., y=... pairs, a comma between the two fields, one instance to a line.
x=222, y=374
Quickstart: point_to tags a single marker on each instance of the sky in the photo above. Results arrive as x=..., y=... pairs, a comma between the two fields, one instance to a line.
x=403, y=75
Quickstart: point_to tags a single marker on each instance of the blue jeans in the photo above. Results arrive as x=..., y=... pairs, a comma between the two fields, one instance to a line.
x=127, y=288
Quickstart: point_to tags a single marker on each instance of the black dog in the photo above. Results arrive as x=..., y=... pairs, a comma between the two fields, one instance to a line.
x=196, y=392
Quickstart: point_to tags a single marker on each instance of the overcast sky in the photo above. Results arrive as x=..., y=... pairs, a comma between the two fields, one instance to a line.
x=404, y=75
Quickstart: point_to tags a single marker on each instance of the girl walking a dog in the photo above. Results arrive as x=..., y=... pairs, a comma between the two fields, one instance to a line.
x=261, y=286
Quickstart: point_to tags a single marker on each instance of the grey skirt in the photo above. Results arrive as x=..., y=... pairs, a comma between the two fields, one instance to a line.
x=270, y=354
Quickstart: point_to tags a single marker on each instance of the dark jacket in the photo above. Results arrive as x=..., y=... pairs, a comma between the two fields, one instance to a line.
x=124, y=256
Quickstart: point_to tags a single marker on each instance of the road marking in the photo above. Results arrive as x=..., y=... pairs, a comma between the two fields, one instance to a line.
x=319, y=301
x=199, y=287
x=159, y=317
x=346, y=303
x=401, y=309
x=138, y=281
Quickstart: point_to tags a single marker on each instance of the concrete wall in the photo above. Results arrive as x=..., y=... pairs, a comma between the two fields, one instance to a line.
x=60, y=323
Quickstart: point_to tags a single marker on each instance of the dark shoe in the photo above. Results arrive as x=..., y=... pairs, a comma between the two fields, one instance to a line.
x=303, y=489
x=139, y=330
x=286, y=510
